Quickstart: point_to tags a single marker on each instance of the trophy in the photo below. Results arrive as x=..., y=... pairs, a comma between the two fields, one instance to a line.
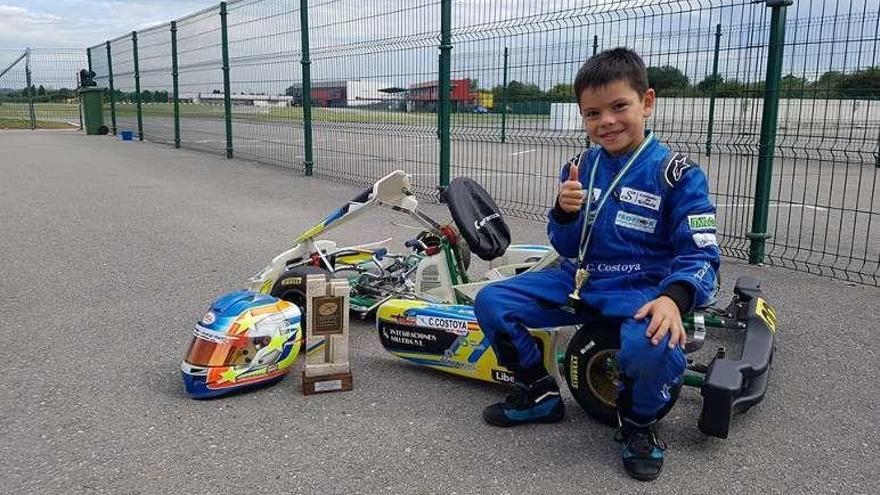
x=327, y=367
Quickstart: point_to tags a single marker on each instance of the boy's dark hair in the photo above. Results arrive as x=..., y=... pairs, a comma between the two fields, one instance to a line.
x=617, y=64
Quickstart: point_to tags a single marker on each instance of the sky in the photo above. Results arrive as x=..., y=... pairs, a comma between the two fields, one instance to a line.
x=81, y=23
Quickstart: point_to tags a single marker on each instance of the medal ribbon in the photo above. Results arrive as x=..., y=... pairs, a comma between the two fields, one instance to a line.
x=591, y=215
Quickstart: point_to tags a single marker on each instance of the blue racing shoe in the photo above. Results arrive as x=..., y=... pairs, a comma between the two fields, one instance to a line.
x=642, y=450
x=539, y=402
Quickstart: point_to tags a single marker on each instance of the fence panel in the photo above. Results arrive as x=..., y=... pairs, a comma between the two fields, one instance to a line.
x=124, y=94
x=365, y=57
x=826, y=207
x=264, y=54
x=53, y=74
x=154, y=62
x=201, y=82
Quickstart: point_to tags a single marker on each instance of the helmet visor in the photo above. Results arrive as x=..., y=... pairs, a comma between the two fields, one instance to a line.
x=213, y=350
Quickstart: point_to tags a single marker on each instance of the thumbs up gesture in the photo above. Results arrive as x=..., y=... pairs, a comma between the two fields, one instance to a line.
x=571, y=192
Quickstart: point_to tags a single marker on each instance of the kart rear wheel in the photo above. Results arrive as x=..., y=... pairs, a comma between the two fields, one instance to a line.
x=591, y=371
x=291, y=286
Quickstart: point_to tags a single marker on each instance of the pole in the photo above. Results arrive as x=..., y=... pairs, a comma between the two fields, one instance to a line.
x=445, y=88
x=30, y=88
x=713, y=89
x=504, y=98
x=308, y=163
x=759, y=235
x=112, y=90
x=137, y=85
x=227, y=95
x=595, y=43
x=175, y=94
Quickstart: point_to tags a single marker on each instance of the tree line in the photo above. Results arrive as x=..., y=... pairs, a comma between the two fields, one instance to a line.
x=670, y=81
x=40, y=94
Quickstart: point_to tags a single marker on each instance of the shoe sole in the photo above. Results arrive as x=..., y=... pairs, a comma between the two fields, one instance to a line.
x=545, y=419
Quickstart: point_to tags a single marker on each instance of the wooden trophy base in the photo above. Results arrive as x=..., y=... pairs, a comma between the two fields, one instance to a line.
x=337, y=382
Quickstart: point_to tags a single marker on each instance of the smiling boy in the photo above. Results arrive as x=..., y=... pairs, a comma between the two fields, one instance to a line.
x=636, y=230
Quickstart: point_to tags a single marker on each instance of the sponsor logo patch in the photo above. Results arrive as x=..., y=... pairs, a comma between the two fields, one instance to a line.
x=675, y=169
x=209, y=318
x=502, y=376
x=635, y=222
x=703, y=239
x=640, y=198
x=478, y=224
x=702, y=222
x=458, y=327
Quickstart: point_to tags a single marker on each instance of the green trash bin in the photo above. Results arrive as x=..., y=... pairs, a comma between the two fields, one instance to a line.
x=93, y=110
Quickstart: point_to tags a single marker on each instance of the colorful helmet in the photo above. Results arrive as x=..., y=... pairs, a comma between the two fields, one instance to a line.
x=246, y=339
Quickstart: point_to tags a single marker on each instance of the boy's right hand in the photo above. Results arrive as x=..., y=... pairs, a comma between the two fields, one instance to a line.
x=571, y=192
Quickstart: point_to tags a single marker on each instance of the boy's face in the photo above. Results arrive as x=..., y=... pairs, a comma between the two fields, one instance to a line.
x=614, y=115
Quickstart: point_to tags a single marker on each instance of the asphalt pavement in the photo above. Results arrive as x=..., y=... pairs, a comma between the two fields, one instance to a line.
x=112, y=250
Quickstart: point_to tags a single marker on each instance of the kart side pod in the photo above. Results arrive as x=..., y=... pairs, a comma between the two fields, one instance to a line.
x=733, y=386
x=447, y=337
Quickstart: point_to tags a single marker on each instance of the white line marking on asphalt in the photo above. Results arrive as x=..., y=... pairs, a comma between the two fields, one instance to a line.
x=522, y=152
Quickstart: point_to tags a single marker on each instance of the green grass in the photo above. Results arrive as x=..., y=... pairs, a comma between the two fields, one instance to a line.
x=47, y=115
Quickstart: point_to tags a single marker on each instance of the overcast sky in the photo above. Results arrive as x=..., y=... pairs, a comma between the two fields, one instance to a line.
x=81, y=23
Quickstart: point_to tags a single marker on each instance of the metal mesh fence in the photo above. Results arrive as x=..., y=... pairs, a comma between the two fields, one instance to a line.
x=366, y=56
x=376, y=105
x=51, y=101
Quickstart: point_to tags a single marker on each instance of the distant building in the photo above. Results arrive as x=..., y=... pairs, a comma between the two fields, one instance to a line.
x=343, y=94
x=248, y=100
x=425, y=96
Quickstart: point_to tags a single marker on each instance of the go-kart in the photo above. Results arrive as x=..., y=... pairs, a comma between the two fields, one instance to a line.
x=423, y=303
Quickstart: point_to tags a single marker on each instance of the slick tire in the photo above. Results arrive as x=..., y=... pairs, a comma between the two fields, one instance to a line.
x=291, y=286
x=590, y=369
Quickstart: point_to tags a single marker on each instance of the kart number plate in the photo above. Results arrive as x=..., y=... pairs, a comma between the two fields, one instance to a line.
x=766, y=313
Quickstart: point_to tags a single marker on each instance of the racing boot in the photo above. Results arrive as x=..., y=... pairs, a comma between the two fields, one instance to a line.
x=641, y=449
x=538, y=402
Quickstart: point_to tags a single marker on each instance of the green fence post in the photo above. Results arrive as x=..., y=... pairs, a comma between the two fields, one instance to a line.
x=504, y=98
x=308, y=163
x=714, y=88
x=445, y=88
x=175, y=94
x=877, y=155
x=759, y=235
x=227, y=96
x=30, y=88
x=137, y=85
x=595, y=43
x=112, y=89
x=79, y=105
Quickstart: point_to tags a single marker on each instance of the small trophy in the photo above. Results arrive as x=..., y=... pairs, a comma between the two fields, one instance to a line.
x=574, y=299
x=327, y=367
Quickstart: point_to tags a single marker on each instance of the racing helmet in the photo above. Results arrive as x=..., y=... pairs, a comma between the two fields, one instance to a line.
x=246, y=339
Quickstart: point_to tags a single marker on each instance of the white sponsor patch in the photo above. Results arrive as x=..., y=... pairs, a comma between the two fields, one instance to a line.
x=458, y=327
x=704, y=239
x=640, y=198
x=635, y=222
x=597, y=193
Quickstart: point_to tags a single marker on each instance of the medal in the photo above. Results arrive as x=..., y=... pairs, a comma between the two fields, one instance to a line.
x=590, y=215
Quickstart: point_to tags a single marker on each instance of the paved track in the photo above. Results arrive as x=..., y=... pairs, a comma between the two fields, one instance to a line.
x=112, y=250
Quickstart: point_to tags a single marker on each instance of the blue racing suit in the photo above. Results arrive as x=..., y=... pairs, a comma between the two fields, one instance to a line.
x=655, y=235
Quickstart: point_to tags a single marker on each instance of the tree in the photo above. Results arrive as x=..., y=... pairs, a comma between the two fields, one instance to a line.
x=667, y=80
x=41, y=91
x=709, y=83
x=518, y=92
x=828, y=85
x=862, y=85
x=561, y=93
x=792, y=86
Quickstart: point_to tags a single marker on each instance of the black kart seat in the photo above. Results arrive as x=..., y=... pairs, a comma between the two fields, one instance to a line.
x=477, y=217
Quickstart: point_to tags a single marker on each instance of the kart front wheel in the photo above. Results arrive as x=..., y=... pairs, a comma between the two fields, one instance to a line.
x=591, y=371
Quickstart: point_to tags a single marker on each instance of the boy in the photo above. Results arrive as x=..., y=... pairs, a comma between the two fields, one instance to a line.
x=636, y=230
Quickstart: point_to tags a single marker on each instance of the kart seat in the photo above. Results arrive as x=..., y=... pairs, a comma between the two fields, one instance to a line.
x=477, y=217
